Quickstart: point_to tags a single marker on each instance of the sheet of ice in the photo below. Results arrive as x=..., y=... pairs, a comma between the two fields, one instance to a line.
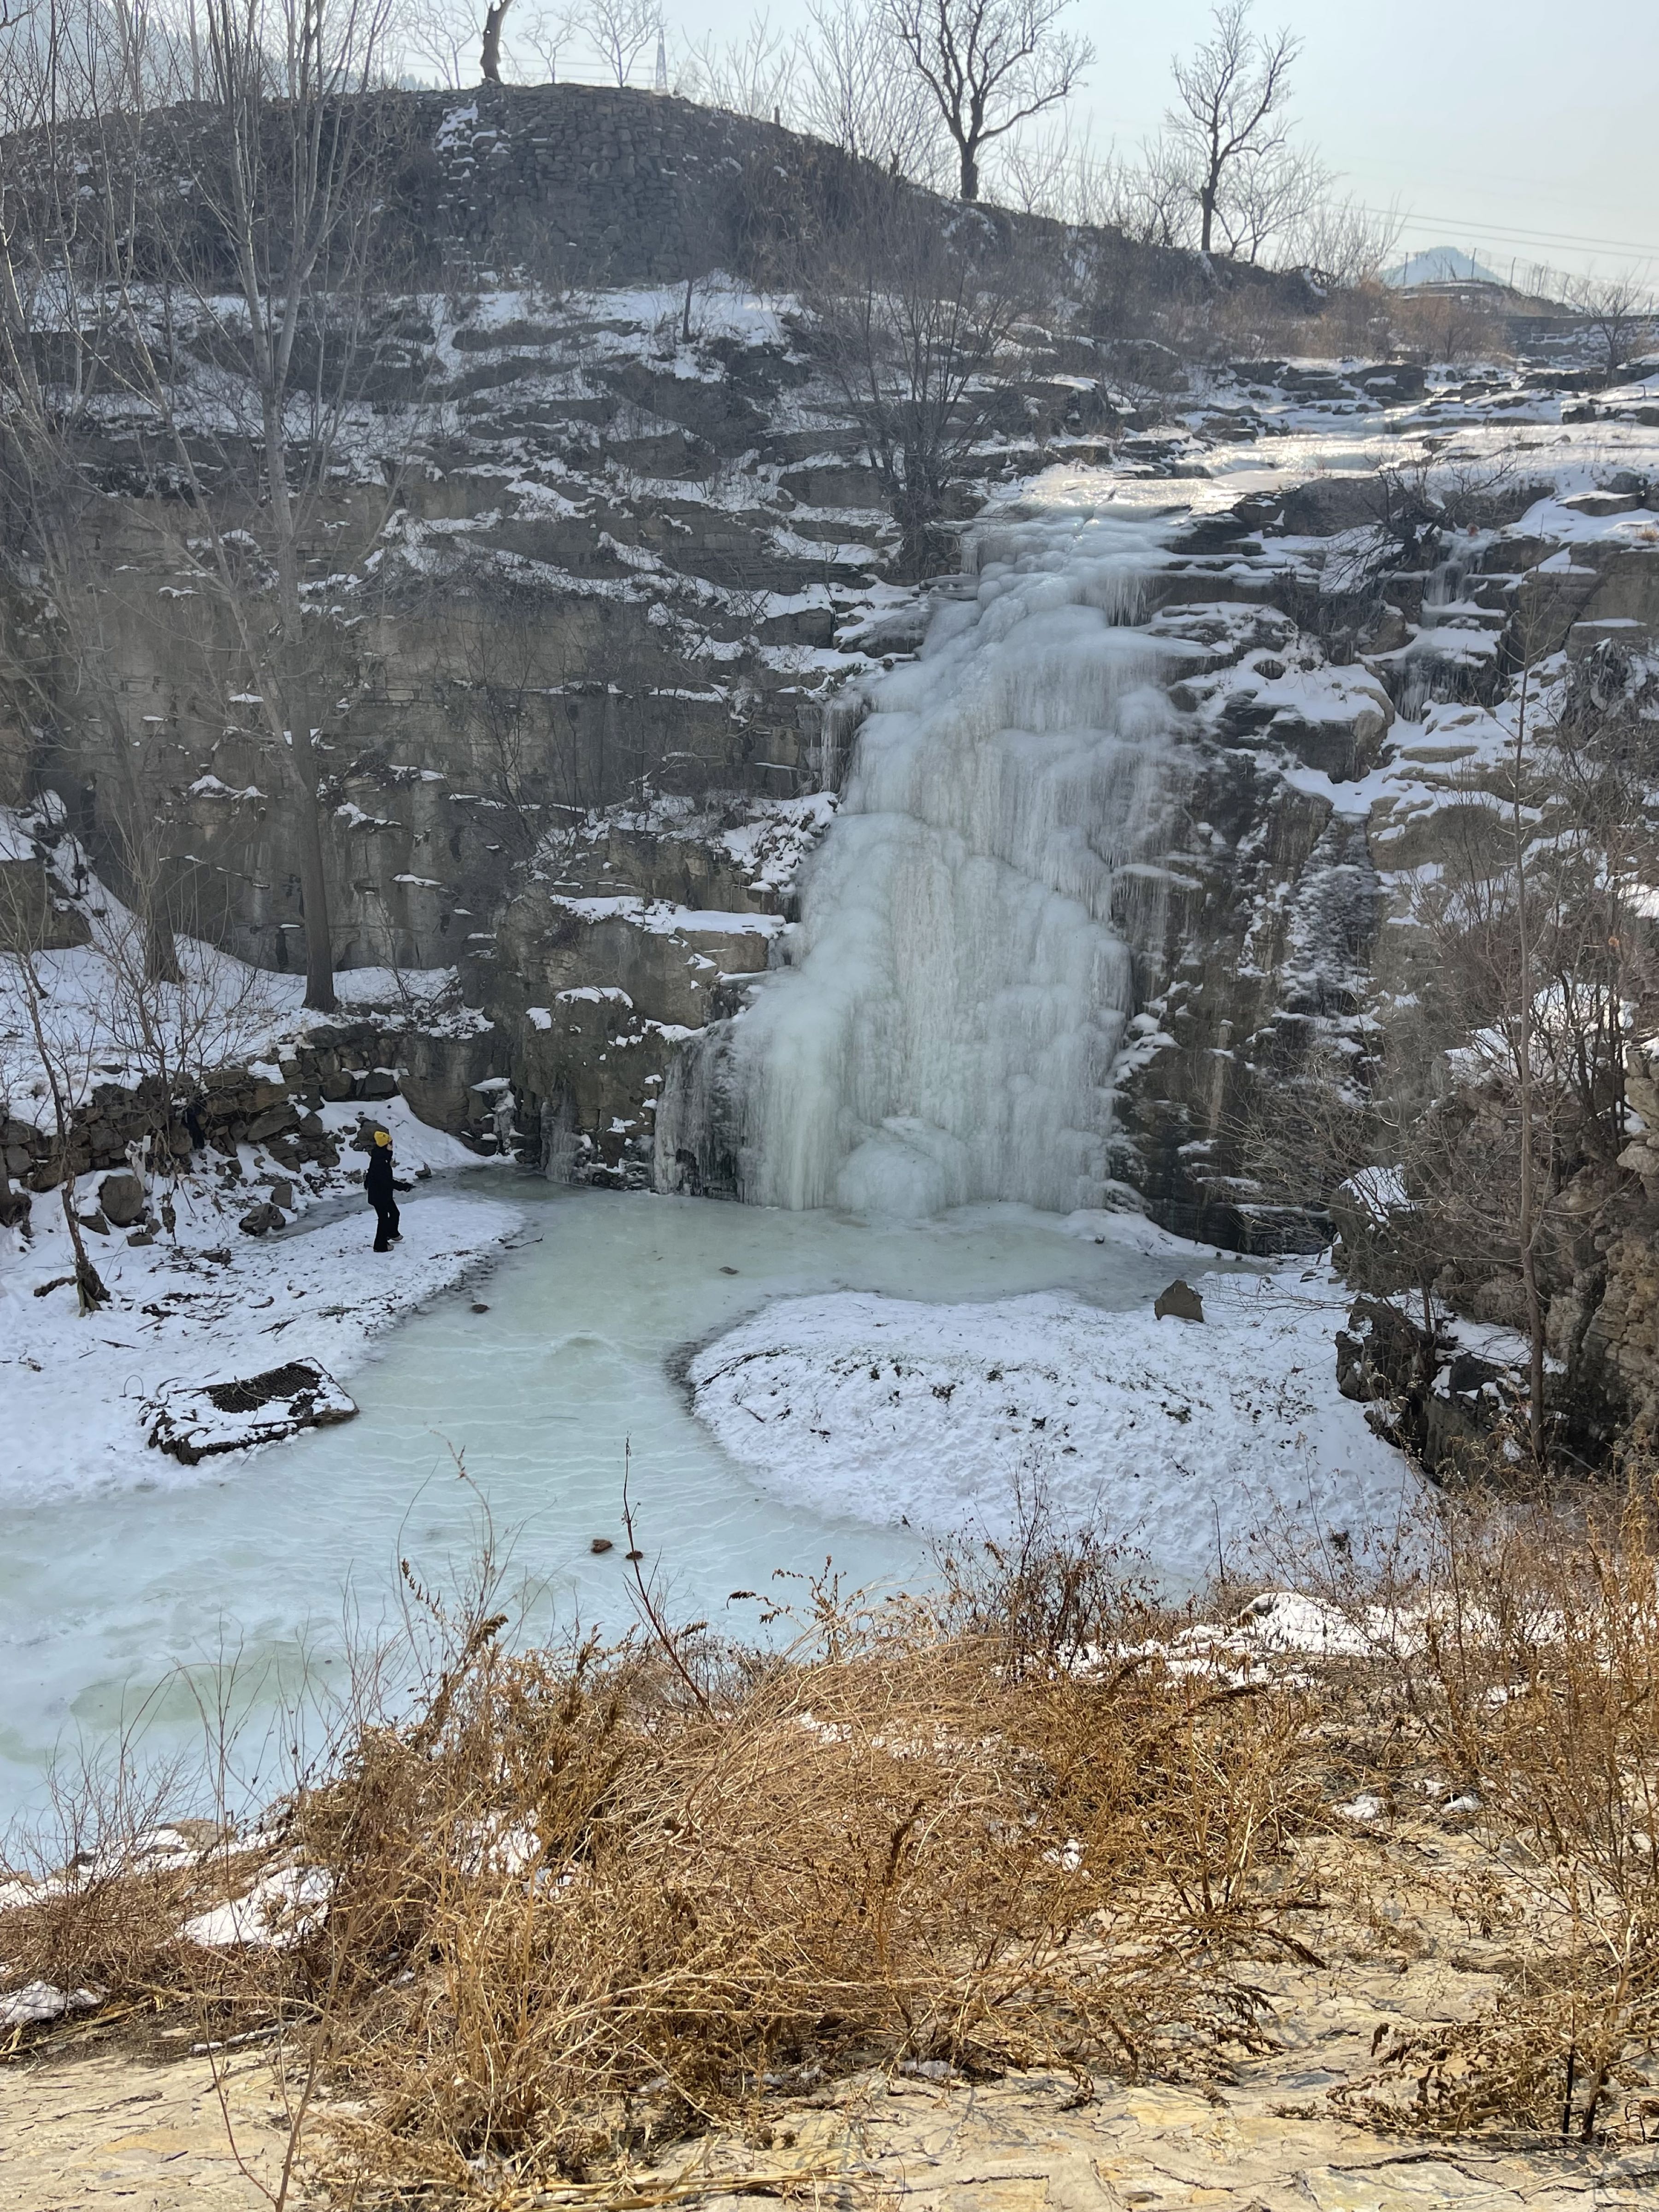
x=945, y=1030
x=1188, y=1439
x=106, y=1593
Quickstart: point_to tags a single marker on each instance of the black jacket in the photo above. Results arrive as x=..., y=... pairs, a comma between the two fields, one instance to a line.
x=377, y=1177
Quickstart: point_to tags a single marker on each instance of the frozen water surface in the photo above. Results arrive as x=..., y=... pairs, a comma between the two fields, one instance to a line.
x=105, y=1594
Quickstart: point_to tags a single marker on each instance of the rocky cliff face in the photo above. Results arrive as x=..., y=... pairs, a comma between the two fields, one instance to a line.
x=583, y=660
x=599, y=660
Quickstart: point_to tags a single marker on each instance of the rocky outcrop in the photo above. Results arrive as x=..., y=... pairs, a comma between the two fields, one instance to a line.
x=270, y=1103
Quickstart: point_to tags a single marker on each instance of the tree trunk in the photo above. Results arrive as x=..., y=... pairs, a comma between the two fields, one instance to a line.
x=89, y=1289
x=294, y=692
x=1530, y=1221
x=969, y=173
x=161, y=946
x=14, y=1203
x=917, y=512
x=314, y=879
x=489, y=64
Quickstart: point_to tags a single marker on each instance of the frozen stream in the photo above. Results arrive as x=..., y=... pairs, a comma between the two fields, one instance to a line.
x=104, y=1596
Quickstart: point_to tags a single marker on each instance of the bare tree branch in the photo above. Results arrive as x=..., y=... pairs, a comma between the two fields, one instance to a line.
x=1230, y=114
x=989, y=64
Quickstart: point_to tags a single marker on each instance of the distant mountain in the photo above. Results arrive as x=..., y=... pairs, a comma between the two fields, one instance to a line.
x=1440, y=264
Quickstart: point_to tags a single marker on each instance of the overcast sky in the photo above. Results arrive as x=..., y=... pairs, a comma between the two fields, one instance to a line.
x=1522, y=130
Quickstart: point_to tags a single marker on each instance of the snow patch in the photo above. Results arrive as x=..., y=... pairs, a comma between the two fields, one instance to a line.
x=1187, y=1441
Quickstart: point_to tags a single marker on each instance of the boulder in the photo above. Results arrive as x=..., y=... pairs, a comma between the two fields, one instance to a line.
x=1600, y=503
x=1180, y=1302
x=121, y=1199
x=273, y=1122
x=190, y=1420
x=260, y=1220
x=1381, y=1354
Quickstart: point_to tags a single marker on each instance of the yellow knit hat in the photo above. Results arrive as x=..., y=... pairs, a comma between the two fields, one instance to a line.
x=382, y=1136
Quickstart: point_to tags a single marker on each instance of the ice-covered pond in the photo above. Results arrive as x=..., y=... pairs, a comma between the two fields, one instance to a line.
x=105, y=1597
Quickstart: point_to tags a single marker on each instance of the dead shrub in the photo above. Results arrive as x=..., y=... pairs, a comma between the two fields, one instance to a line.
x=582, y=1902
x=1528, y=1660
x=587, y=1911
x=568, y=1907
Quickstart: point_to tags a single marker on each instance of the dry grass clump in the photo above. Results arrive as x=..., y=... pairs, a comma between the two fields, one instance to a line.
x=557, y=1910
x=581, y=1903
x=584, y=1904
x=1527, y=1666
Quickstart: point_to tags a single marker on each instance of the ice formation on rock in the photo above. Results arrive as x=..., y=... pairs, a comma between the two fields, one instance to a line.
x=958, y=983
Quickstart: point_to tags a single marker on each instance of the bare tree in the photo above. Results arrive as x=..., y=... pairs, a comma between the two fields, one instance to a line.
x=1269, y=199
x=989, y=65
x=754, y=75
x=1618, y=312
x=547, y=34
x=1051, y=171
x=1230, y=116
x=855, y=87
x=172, y=1033
x=62, y=1057
x=619, y=32
x=1501, y=1108
x=1342, y=244
x=69, y=241
x=250, y=357
x=922, y=336
x=1151, y=201
x=443, y=35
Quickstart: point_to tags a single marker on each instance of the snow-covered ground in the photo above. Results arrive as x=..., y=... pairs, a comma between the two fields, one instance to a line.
x=1194, y=1442
x=211, y=1304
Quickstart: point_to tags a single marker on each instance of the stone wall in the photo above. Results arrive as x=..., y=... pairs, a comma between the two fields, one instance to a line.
x=608, y=186
x=272, y=1103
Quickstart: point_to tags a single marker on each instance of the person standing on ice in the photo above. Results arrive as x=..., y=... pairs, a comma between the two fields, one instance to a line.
x=379, y=1189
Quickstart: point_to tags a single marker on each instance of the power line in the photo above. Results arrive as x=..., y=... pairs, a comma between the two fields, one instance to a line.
x=1510, y=232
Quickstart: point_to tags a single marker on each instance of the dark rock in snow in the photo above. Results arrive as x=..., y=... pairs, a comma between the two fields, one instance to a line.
x=121, y=1199
x=259, y=1220
x=272, y=1123
x=1180, y=1301
x=190, y=1420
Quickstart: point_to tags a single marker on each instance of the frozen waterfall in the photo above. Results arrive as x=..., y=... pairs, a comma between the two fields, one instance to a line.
x=957, y=990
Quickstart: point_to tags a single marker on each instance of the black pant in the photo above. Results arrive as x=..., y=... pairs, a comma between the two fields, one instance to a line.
x=385, y=1220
